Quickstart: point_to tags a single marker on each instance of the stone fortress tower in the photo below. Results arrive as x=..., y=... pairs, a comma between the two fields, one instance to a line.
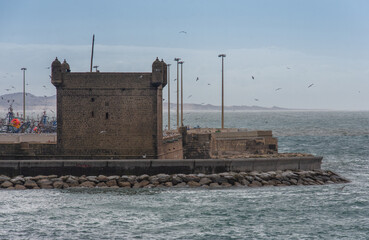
x=109, y=114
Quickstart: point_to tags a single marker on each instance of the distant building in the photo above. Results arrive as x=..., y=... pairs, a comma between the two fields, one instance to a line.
x=111, y=114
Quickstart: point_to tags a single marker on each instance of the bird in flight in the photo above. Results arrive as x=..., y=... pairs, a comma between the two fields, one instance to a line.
x=13, y=87
x=311, y=85
x=288, y=68
x=278, y=89
x=256, y=99
x=7, y=89
x=209, y=84
x=175, y=79
x=252, y=77
x=189, y=96
x=102, y=132
x=197, y=79
x=141, y=76
x=184, y=32
x=202, y=103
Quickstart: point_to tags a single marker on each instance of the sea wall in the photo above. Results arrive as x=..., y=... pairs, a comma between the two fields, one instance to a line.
x=227, y=179
x=155, y=166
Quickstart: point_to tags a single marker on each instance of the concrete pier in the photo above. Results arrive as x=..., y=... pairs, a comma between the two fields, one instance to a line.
x=155, y=166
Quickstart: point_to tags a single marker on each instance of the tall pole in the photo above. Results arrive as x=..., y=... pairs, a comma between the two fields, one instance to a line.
x=222, y=56
x=168, y=96
x=92, y=52
x=177, y=60
x=181, y=62
x=24, y=93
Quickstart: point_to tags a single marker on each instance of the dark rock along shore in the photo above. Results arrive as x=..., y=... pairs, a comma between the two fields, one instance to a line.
x=227, y=179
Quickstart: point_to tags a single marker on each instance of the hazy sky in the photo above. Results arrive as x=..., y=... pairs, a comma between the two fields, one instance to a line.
x=283, y=44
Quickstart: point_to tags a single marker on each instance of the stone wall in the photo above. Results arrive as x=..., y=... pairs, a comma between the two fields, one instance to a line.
x=203, y=144
x=154, y=166
x=239, y=143
x=197, y=146
x=172, y=148
x=35, y=138
x=26, y=149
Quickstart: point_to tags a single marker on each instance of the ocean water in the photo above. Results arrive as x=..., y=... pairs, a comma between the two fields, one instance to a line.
x=297, y=212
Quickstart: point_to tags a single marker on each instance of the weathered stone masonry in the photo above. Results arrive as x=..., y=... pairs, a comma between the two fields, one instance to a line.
x=109, y=113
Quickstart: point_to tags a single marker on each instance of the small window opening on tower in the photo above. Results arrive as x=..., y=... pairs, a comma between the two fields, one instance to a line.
x=92, y=99
x=106, y=115
x=92, y=114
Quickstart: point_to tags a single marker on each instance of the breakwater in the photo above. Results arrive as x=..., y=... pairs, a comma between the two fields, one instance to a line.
x=226, y=179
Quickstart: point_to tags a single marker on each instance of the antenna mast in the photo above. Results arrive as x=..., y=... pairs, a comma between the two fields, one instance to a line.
x=92, y=51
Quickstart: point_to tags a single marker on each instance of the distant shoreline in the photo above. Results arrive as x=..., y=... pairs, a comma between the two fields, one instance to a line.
x=48, y=103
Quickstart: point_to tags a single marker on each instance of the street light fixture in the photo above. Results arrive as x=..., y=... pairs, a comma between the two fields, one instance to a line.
x=24, y=93
x=177, y=60
x=181, y=62
x=168, y=65
x=222, y=56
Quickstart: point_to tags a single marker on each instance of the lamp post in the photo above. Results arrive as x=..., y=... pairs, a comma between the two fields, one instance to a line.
x=181, y=62
x=24, y=93
x=177, y=60
x=222, y=56
x=168, y=65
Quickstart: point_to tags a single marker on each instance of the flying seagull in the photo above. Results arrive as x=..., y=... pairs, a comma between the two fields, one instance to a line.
x=102, y=132
x=183, y=32
x=310, y=85
x=13, y=87
x=197, y=79
x=209, y=84
x=252, y=77
x=141, y=76
x=278, y=89
x=44, y=86
x=288, y=68
x=189, y=96
x=7, y=89
x=175, y=79
x=256, y=99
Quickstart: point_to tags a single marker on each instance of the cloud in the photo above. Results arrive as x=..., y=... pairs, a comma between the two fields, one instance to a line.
x=337, y=82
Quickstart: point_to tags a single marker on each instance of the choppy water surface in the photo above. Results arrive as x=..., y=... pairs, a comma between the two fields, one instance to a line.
x=300, y=212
